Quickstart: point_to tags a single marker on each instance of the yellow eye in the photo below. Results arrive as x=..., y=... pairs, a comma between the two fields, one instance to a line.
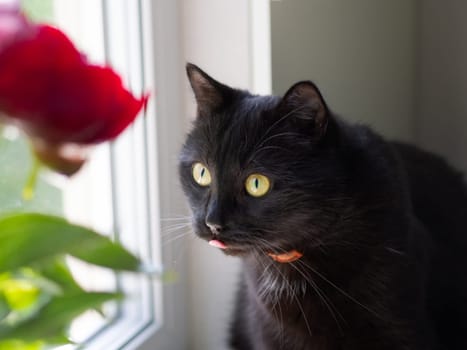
x=201, y=174
x=257, y=185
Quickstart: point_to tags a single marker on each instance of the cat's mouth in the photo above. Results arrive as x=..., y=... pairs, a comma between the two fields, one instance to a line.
x=228, y=249
x=218, y=244
x=286, y=257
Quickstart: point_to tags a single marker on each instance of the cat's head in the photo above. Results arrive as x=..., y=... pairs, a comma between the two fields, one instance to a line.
x=258, y=171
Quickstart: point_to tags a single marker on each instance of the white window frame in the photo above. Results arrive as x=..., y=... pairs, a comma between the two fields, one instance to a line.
x=140, y=40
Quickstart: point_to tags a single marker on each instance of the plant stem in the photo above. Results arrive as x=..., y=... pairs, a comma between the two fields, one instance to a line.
x=30, y=186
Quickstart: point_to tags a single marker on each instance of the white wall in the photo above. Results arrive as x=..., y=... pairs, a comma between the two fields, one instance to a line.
x=216, y=38
x=360, y=53
x=442, y=80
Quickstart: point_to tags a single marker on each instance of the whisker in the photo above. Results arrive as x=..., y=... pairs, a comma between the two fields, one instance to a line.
x=176, y=237
x=177, y=224
x=304, y=317
x=259, y=147
x=395, y=251
x=181, y=249
x=293, y=293
x=167, y=234
x=294, y=296
x=340, y=290
x=281, y=328
x=181, y=218
x=288, y=133
x=279, y=314
x=267, y=148
x=326, y=300
x=280, y=121
x=175, y=227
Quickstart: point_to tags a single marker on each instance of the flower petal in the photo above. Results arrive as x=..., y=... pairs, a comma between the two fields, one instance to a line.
x=29, y=69
x=49, y=87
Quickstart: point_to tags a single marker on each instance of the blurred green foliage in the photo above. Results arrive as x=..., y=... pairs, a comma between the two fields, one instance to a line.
x=39, y=297
x=39, y=10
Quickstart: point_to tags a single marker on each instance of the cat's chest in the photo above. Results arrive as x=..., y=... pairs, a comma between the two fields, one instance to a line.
x=288, y=330
x=288, y=315
x=304, y=314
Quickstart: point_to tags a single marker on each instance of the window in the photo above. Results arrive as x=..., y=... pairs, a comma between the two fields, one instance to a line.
x=125, y=187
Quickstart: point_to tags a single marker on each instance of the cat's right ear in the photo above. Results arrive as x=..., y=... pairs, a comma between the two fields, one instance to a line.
x=304, y=106
x=210, y=94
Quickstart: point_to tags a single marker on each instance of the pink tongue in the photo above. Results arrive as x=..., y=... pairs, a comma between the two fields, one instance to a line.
x=217, y=244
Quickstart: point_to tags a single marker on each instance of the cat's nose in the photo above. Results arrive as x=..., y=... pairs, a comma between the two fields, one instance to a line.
x=215, y=228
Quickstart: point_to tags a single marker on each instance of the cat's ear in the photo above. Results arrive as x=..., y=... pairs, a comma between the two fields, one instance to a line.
x=305, y=107
x=210, y=94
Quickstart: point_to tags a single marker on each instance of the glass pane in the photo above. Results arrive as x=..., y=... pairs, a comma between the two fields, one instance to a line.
x=39, y=10
x=15, y=157
x=86, y=198
x=16, y=160
x=111, y=192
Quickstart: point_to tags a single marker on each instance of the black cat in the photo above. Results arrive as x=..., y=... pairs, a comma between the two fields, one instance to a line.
x=347, y=241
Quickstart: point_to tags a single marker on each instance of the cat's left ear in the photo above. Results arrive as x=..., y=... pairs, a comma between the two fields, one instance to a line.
x=304, y=106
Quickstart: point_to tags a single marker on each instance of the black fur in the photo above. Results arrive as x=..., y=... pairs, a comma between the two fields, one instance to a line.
x=382, y=226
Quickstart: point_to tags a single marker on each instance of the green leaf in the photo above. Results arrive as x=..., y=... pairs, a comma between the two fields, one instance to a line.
x=20, y=345
x=25, y=293
x=56, y=316
x=19, y=294
x=103, y=252
x=34, y=277
x=58, y=271
x=4, y=308
x=28, y=239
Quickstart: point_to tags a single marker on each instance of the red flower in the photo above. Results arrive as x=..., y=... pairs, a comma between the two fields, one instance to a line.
x=48, y=87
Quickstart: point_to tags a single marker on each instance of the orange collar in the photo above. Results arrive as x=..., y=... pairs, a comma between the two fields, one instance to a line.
x=288, y=257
